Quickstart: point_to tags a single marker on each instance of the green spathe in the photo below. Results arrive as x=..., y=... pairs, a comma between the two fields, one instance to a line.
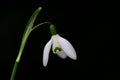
x=27, y=31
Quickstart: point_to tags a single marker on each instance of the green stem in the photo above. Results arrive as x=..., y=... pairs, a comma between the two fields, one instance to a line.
x=23, y=42
x=24, y=39
x=14, y=71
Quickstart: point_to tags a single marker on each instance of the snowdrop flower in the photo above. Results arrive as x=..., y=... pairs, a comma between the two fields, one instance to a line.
x=60, y=46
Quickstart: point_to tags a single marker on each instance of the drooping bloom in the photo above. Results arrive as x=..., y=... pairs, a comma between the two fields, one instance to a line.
x=60, y=46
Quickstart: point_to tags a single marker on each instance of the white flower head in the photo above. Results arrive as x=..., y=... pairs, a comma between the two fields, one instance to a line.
x=60, y=46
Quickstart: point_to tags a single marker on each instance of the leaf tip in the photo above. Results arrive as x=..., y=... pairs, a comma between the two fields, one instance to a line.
x=39, y=8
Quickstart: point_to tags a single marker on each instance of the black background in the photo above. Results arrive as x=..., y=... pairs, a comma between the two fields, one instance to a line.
x=86, y=24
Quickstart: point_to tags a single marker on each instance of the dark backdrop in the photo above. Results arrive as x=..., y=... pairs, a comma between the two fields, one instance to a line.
x=86, y=24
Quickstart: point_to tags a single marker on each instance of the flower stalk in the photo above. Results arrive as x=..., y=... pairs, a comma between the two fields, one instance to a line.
x=29, y=28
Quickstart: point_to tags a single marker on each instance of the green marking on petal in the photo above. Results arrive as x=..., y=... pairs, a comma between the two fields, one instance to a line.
x=57, y=49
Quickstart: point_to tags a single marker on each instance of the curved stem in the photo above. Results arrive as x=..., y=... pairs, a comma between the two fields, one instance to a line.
x=39, y=25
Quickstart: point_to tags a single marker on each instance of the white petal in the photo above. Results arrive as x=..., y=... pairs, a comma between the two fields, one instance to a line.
x=67, y=47
x=55, y=42
x=62, y=54
x=46, y=52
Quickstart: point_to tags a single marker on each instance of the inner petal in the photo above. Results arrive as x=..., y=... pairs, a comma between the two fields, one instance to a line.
x=55, y=46
x=62, y=54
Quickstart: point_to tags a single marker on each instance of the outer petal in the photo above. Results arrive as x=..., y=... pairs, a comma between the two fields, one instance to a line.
x=46, y=52
x=67, y=47
x=62, y=54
